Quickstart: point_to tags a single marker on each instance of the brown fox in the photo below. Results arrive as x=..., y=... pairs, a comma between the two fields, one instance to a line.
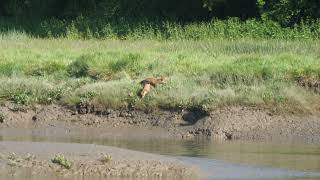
x=149, y=83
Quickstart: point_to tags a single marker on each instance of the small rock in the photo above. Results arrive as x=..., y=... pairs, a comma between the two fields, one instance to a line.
x=34, y=118
x=82, y=111
x=2, y=117
x=228, y=135
x=108, y=111
x=125, y=114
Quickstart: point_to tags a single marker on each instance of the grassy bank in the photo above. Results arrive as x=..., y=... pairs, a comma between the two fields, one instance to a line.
x=202, y=74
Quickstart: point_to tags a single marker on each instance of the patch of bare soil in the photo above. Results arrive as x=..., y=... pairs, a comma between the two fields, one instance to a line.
x=35, y=159
x=244, y=123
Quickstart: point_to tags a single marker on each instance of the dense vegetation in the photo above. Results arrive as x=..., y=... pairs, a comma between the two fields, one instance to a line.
x=202, y=74
x=287, y=12
x=162, y=19
x=86, y=28
x=93, y=53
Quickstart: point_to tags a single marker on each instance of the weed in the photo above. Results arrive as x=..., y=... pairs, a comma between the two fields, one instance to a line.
x=18, y=108
x=47, y=68
x=106, y=158
x=12, y=163
x=22, y=99
x=14, y=160
x=62, y=161
x=85, y=99
x=12, y=156
x=130, y=62
x=51, y=95
x=79, y=68
x=29, y=157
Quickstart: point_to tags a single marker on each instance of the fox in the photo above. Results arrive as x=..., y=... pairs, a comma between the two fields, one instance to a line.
x=150, y=83
x=153, y=81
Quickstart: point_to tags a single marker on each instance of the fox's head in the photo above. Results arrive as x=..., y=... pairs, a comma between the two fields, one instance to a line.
x=163, y=79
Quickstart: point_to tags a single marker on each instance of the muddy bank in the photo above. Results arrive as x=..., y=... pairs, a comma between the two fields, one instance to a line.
x=35, y=159
x=228, y=123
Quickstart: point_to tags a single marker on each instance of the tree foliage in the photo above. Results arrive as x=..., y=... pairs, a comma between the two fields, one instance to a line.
x=290, y=12
x=286, y=12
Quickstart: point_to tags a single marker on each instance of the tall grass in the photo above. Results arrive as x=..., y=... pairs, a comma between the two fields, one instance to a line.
x=86, y=28
x=202, y=74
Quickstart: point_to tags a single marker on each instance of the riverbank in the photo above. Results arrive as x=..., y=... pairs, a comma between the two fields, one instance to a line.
x=226, y=89
x=94, y=161
x=230, y=123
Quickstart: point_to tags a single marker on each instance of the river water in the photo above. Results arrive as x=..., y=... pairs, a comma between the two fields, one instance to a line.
x=218, y=160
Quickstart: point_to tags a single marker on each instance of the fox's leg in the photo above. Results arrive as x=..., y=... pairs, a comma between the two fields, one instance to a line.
x=145, y=90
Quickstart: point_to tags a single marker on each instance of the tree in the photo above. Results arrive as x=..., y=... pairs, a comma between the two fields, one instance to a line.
x=243, y=9
x=289, y=12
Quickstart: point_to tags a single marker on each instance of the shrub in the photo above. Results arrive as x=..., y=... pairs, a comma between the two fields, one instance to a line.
x=130, y=62
x=79, y=68
x=23, y=98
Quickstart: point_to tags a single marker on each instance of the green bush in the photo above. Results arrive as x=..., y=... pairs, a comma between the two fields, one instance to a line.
x=23, y=98
x=79, y=68
x=130, y=62
x=62, y=161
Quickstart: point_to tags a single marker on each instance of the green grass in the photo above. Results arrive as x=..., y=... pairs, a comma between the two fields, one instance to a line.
x=203, y=74
x=62, y=161
x=106, y=158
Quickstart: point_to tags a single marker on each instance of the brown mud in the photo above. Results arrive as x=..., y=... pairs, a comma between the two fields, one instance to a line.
x=24, y=159
x=229, y=123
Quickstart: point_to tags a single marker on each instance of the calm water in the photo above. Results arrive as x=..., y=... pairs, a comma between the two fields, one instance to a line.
x=220, y=160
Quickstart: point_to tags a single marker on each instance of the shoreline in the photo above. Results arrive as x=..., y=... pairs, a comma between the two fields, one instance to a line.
x=230, y=123
x=35, y=158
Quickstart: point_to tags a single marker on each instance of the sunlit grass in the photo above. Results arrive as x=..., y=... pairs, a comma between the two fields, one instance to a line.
x=202, y=74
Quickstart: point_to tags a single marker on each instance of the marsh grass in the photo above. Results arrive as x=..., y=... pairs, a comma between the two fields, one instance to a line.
x=202, y=74
x=106, y=158
x=62, y=161
x=25, y=91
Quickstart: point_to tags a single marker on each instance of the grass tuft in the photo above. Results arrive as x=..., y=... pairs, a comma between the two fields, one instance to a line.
x=62, y=161
x=79, y=68
x=106, y=158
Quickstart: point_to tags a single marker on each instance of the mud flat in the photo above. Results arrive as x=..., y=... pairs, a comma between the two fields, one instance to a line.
x=230, y=123
x=35, y=159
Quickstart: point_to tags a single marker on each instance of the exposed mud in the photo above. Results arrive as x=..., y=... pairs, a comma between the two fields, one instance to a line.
x=35, y=158
x=227, y=123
